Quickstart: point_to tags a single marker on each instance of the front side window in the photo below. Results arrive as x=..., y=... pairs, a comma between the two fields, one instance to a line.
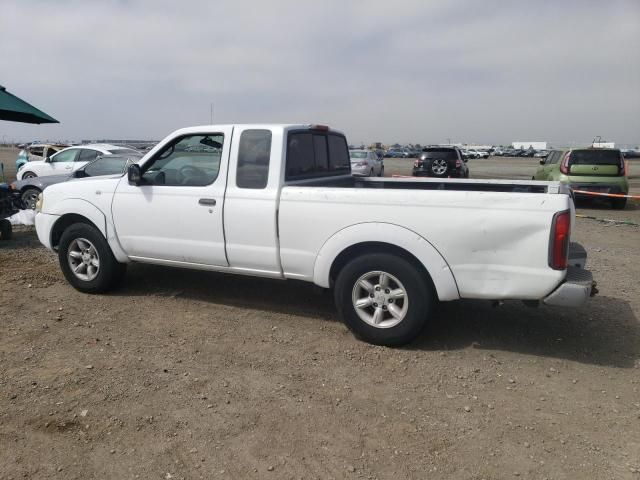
x=65, y=156
x=254, y=154
x=87, y=155
x=189, y=161
x=37, y=151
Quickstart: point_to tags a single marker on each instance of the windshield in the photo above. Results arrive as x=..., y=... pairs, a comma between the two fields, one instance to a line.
x=595, y=157
x=447, y=154
x=358, y=154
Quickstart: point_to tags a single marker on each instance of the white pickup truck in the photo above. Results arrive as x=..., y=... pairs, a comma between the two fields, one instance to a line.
x=278, y=201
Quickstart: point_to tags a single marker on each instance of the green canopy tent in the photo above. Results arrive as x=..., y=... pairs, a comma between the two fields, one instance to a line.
x=14, y=109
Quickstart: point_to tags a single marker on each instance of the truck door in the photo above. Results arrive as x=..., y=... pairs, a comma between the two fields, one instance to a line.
x=251, y=200
x=175, y=214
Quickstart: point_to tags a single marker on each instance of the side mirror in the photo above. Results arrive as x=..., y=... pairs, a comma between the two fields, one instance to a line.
x=542, y=161
x=134, y=175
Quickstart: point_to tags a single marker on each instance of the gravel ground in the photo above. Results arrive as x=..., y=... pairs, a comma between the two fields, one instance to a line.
x=187, y=374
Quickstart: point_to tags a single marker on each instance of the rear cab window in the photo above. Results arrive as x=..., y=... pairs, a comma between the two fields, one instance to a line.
x=446, y=153
x=316, y=153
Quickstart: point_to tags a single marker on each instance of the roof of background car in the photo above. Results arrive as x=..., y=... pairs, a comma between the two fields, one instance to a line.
x=103, y=147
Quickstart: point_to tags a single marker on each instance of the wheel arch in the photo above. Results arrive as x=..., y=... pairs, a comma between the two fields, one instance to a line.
x=76, y=211
x=388, y=238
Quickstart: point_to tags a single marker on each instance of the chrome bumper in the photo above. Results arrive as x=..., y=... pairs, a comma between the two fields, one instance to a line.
x=575, y=291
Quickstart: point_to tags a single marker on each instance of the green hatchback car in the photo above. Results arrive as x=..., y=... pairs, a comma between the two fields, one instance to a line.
x=600, y=170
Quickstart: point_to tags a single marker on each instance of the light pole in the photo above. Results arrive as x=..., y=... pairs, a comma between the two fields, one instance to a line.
x=211, y=113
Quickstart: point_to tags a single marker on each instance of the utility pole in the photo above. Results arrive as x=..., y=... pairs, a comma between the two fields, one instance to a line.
x=211, y=123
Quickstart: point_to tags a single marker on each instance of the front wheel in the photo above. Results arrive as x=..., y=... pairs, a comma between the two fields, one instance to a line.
x=30, y=197
x=383, y=299
x=86, y=260
x=28, y=175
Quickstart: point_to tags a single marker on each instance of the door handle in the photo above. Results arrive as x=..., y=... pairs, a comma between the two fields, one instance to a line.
x=209, y=202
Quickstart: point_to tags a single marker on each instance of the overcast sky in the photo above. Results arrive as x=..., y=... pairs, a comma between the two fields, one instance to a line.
x=404, y=70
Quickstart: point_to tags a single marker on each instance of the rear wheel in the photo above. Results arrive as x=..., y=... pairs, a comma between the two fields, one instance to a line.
x=28, y=175
x=619, y=203
x=5, y=229
x=383, y=299
x=30, y=197
x=86, y=260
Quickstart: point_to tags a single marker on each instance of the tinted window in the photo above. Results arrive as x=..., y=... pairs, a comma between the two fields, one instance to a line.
x=300, y=155
x=253, y=159
x=122, y=151
x=37, y=151
x=65, y=156
x=595, y=157
x=87, y=155
x=338, y=154
x=315, y=154
x=320, y=150
x=446, y=153
x=358, y=154
x=190, y=161
x=107, y=165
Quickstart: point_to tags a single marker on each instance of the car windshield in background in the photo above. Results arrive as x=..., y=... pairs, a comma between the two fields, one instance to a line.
x=595, y=157
x=447, y=154
x=358, y=154
x=107, y=166
x=122, y=151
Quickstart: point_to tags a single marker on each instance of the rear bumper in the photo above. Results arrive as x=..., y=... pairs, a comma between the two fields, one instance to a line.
x=599, y=187
x=575, y=291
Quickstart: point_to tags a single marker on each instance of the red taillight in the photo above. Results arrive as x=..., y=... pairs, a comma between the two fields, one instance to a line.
x=559, y=246
x=564, y=165
x=458, y=163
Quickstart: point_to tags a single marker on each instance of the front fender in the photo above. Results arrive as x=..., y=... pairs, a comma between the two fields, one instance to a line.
x=88, y=210
x=391, y=234
x=78, y=206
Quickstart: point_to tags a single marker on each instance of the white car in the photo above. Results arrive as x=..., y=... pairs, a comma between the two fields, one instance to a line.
x=366, y=163
x=279, y=201
x=68, y=160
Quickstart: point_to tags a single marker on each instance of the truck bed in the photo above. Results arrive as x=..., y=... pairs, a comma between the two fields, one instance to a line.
x=415, y=183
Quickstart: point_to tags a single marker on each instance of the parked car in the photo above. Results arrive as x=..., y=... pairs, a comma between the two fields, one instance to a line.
x=366, y=163
x=28, y=189
x=37, y=152
x=7, y=208
x=389, y=248
x=497, y=152
x=601, y=170
x=69, y=159
x=631, y=153
x=441, y=162
x=482, y=153
x=541, y=154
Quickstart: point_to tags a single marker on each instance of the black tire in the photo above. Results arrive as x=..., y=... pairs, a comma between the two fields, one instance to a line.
x=419, y=294
x=110, y=271
x=619, y=203
x=6, y=230
x=29, y=197
x=28, y=174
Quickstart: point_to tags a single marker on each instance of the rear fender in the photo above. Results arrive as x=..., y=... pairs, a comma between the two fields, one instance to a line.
x=395, y=236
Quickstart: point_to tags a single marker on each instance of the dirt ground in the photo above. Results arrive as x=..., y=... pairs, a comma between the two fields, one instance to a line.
x=186, y=374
